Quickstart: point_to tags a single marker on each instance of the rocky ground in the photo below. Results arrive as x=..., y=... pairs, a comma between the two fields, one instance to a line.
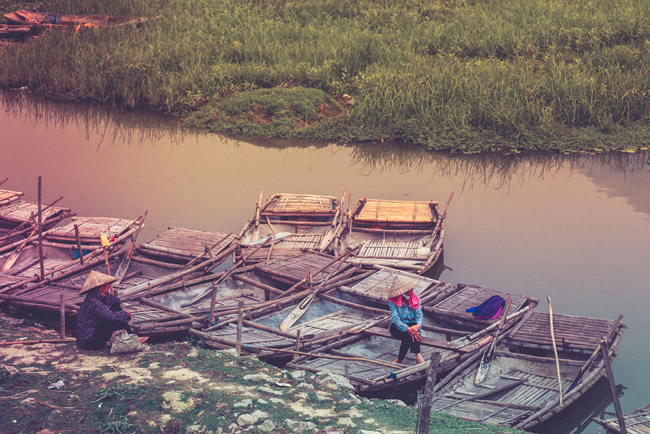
x=177, y=387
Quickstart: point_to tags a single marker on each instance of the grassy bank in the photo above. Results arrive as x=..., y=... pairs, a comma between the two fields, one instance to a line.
x=179, y=388
x=466, y=76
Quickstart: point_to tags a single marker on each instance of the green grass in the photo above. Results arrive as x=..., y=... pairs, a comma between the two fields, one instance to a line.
x=464, y=76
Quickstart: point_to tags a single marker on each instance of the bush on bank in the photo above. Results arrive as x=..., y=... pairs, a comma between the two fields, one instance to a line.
x=465, y=76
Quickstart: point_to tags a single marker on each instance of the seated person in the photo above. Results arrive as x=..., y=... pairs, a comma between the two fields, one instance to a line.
x=100, y=313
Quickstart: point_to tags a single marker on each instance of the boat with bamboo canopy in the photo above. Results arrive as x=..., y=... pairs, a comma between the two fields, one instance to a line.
x=291, y=223
x=525, y=384
x=399, y=234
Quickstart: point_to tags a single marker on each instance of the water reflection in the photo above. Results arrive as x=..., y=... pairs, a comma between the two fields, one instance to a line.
x=139, y=128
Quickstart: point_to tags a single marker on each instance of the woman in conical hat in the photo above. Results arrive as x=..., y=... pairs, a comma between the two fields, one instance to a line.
x=100, y=314
x=406, y=314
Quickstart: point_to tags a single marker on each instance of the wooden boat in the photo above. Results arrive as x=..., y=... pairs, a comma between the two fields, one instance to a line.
x=291, y=223
x=8, y=196
x=521, y=389
x=181, y=245
x=24, y=17
x=259, y=333
x=8, y=31
x=366, y=358
x=398, y=234
x=636, y=422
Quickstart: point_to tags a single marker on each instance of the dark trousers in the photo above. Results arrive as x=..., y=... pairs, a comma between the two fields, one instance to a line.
x=104, y=331
x=407, y=341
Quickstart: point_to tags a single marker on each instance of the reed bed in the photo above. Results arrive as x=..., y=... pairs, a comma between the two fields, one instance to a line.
x=465, y=76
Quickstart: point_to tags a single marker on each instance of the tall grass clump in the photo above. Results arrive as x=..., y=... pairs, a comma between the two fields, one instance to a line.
x=432, y=72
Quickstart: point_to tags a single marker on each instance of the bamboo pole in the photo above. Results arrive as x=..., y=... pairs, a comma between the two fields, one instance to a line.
x=297, y=343
x=39, y=341
x=62, y=316
x=612, y=387
x=240, y=319
x=557, y=362
x=40, y=231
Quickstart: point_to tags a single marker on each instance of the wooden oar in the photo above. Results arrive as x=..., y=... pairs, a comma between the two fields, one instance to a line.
x=557, y=362
x=302, y=307
x=3, y=181
x=488, y=353
x=465, y=340
x=124, y=265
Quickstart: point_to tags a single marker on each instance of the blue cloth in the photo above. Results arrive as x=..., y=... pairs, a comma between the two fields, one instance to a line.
x=401, y=315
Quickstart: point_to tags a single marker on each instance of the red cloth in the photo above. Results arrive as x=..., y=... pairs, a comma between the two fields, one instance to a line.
x=414, y=301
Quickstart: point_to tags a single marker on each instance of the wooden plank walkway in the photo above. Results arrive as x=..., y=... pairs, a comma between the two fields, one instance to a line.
x=376, y=286
x=572, y=333
x=8, y=196
x=185, y=244
x=374, y=210
x=453, y=307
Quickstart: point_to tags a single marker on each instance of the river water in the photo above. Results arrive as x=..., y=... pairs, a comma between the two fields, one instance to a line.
x=574, y=227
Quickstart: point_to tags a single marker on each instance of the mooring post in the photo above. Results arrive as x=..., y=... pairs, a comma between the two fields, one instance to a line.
x=427, y=396
x=612, y=386
x=62, y=316
x=347, y=371
x=240, y=321
x=78, y=237
x=297, y=344
x=40, y=231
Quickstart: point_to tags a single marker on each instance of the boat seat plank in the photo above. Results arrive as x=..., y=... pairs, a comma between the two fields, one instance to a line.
x=437, y=343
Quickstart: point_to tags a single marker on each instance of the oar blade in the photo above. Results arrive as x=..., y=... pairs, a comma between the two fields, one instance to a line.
x=296, y=313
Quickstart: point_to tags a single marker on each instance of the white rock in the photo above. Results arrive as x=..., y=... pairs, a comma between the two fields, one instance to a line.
x=269, y=391
x=365, y=431
x=258, y=378
x=266, y=426
x=397, y=402
x=276, y=400
x=322, y=398
x=334, y=381
x=298, y=374
x=228, y=352
x=243, y=404
x=299, y=426
x=305, y=386
x=246, y=419
x=262, y=401
x=259, y=414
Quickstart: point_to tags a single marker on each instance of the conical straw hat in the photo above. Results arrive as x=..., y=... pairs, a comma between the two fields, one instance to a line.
x=94, y=280
x=400, y=285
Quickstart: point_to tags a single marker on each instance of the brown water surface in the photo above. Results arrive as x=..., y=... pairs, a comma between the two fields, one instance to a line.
x=574, y=227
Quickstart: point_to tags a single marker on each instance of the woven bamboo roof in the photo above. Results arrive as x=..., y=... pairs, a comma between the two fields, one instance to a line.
x=374, y=210
x=300, y=203
x=7, y=196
